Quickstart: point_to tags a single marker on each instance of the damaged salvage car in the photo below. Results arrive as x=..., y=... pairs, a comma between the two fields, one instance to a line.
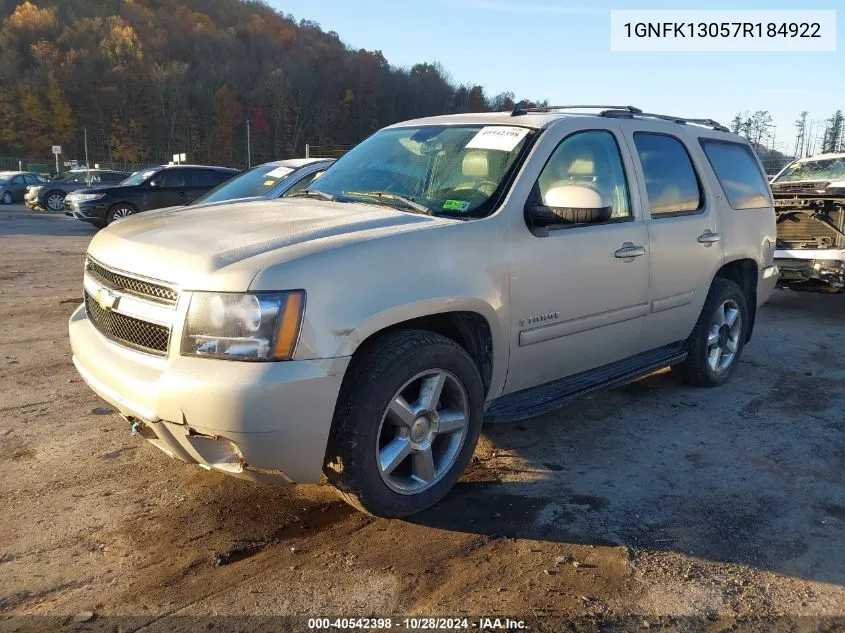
x=809, y=196
x=446, y=271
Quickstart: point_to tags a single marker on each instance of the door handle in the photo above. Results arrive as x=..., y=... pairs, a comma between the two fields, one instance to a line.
x=629, y=249
x=181, y=194
x=708, y=237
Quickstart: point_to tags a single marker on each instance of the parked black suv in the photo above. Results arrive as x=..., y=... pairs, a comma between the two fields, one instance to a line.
x=148, y=189
x=50, y=196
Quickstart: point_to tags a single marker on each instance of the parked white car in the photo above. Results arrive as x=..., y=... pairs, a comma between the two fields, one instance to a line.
x=445, y=270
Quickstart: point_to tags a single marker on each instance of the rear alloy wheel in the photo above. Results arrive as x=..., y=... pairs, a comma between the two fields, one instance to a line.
x=406, y=424
x=724, y=335
x=7, y=197
x=55, y=201
x=120, y=211
x=719, y=336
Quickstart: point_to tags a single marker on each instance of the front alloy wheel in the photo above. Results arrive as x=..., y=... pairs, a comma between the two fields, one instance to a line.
x=55, y=202
x=119, y=211
x=407, y=420
x=422, y=431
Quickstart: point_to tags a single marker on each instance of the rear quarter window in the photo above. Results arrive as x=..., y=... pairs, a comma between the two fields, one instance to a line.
x=738, y=173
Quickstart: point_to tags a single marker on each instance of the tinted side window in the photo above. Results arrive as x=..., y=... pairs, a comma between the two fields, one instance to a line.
x=30, y=180
x=589, y=159
x=670, y=179
x=206, y=178
x=18, y=180
x=299, y=186
x=738, y=174
x=173, y=178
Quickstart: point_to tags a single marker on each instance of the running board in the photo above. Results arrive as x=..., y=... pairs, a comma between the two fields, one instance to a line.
x=553, y=395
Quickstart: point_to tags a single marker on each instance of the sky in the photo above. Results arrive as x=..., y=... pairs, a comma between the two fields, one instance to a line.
x=560, y=51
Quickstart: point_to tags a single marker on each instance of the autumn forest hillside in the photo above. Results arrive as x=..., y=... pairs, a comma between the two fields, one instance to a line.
x=149, y=78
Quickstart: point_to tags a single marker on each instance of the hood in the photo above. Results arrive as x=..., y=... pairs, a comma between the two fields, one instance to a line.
x=223, y=247
x=96, y=189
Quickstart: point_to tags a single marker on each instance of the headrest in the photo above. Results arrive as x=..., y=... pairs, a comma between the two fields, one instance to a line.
x=582, y=167
x=475, y=165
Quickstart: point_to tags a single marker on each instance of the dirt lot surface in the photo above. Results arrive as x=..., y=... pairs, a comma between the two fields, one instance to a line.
x=653, y=501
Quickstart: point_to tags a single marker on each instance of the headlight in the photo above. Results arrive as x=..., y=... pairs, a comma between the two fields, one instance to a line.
x=84, y=197
x=243, y=326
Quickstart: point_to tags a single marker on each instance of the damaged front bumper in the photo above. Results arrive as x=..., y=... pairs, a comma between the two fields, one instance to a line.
x=801, y=266
x=260, y=421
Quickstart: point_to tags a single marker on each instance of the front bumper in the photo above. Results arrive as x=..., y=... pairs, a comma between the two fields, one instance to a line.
x=260, y=421
x=807, y=265
x=32, y=202
x=94, y=212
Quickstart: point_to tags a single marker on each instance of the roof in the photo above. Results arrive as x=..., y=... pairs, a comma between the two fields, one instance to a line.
x=828, y=156
x=296, y=163
x=538, y=118
x=200, y=166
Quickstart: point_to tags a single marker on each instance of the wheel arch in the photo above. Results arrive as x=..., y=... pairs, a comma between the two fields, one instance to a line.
x=469, y=328
x=120, y=203
x=744, y=273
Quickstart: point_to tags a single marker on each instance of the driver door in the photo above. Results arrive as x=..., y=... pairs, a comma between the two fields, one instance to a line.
x=577, y=301
x=170, y=189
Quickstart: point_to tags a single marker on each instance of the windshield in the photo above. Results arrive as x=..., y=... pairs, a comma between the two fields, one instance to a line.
x=456, y=170
x=255, y=182
x=139, y=176
x=829, y=169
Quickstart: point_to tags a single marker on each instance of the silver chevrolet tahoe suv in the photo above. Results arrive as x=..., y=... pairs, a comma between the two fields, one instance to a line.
x=446, y=271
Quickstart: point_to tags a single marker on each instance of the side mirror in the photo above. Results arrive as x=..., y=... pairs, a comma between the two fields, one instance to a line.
x=570, y=204
x=154, y=182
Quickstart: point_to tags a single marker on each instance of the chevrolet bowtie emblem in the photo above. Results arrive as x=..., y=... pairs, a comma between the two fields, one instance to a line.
x=106, y=299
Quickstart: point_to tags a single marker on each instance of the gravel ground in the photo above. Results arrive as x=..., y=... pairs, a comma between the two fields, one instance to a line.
x=653, y=503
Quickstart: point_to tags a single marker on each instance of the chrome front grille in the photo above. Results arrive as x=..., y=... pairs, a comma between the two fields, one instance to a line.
x=136, y=313
x=141, y=335
x=130, y=285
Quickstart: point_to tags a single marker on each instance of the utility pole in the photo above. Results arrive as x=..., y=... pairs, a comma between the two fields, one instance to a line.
x=248, y=148
x=87, y=166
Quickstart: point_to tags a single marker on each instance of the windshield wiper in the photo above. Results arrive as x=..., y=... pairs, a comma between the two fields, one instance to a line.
x=386, y=195
x=313, y=193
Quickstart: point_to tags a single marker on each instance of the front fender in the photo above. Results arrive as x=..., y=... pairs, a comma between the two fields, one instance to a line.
x=357, y=290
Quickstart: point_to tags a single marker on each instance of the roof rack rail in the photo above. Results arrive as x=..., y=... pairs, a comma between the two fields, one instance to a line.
x=519, y=109
x=681, y=120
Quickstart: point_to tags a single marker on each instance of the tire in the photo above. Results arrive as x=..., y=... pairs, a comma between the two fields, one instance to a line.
x=54, y=200
x=365, y=432
x=7, y=197
x=699, y=368
x=120, y=210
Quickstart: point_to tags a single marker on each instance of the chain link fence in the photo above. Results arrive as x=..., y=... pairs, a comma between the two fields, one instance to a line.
x=326, y=151
x=48, y=167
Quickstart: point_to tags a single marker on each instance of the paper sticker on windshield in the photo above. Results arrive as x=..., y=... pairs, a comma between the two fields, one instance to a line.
x=501, y=137
x=279, y=172
x=269, y=183
x=456, y=205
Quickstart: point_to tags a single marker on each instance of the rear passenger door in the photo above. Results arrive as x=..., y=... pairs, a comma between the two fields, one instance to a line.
x=683, y=226
x=202, y=180
x=17, y=187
